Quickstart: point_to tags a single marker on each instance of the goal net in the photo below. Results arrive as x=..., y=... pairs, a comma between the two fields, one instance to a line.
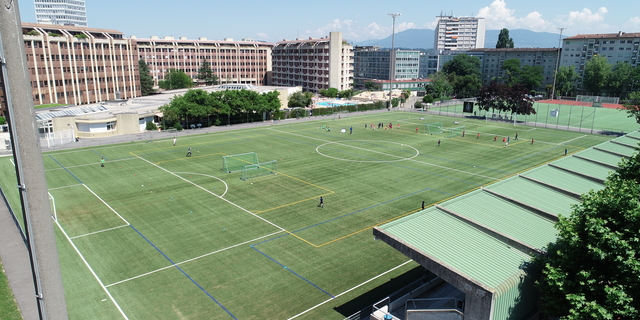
x=454, y=132
x=259, y=169
x=236, y=162
x=434, y=128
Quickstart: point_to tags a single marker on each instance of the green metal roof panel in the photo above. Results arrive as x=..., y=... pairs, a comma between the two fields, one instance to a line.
x=600, y=156
x=628, y=151
x=535, y=194
x=563, y=179
x=634, y=134
x=628, y=141
x=504, y=217
x=585, y=167
x=445, y=238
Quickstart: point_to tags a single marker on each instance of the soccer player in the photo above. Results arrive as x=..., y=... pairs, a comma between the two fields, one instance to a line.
x=422, y=205
x=102, y=162
x=516, y=138
x=350, y=130
x=504, y=140
x=189, y=152
x=321, y=204
x=495, y=138
x=174, y=141
x=478, y=136
x=531, y=140
x=508, y=139
x=438, y=142
x=416, y=129
x=463, y=133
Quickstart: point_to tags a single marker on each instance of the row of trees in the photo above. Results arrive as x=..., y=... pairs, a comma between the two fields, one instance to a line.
x=198, y=104
x=175, y=79
x=601, y=77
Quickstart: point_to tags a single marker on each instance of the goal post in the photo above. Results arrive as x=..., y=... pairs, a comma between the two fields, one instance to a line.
x=454, y=132
x=259, y=169
x=236, y=162
x=434, y=128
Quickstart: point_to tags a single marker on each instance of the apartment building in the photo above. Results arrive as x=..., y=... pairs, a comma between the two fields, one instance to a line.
x=372, y=63
x=61, y=12
x=78, y=65
x=492, y=60
x=314, y=64
x=459, y=33
x=245, y=62
x=618, y=47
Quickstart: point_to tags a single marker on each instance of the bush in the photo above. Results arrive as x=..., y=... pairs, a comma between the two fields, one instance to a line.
x=298, y=113
x=3, y=120
x=418, y=104
x=151, y=126
x=81, y=36
x=178, y=127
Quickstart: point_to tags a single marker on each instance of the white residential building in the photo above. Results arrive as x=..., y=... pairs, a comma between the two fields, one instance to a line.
x=313, y=64
x=459, y=33
x=61, y=12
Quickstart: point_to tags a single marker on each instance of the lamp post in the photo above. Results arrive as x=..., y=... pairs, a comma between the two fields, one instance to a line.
x=555, y=74
x=392, y=61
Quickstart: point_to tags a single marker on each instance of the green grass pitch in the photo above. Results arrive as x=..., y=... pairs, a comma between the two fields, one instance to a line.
x=155, y=234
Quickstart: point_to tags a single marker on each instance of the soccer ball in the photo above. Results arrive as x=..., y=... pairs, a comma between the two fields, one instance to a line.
x=251, y=182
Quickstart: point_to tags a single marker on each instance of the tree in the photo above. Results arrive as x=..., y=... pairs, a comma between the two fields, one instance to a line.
x=465, y=86
x=463, y=65
x=531, y=77
x=150, y=126
x=503, y=39
x=299, y=100
x=619, y=78
x=205, y=74
x=632, y=106
x=370, y=86
x=439, y=86
x=175, y=79
x=592, y=271
x=500, y=97
x=512, y=70
x=596, y=73
x=329, y=93
x=566, y=80
x=146, y=81
x=427, y=99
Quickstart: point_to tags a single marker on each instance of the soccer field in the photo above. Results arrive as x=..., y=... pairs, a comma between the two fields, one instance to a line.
x=156, y=234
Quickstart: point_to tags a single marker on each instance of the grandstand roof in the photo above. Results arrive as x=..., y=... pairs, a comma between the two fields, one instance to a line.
x=484, y=239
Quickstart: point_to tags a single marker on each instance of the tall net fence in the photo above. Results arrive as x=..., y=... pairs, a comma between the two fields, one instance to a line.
x=237, y=162
x=57, y=138
x=259, y=169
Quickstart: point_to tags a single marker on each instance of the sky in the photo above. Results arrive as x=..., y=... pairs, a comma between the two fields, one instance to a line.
x=275, y=20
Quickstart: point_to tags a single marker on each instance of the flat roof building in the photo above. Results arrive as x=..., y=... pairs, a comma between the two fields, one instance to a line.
x=459, y=33
x=618, y=47
x=244, y=62
x=492, y=60
x=61, y=12
x=372, y=63
x=314, y=64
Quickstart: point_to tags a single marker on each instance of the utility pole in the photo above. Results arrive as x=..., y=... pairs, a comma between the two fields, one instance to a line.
x=392, y=56
x=555, y=74
x=32, y=184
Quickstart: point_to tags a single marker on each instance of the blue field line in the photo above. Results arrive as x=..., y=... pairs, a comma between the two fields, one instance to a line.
x=531, y=155
x=183, y=272
x=54, y=159
x=354, y=212
x=96, y=152
x=299, y=276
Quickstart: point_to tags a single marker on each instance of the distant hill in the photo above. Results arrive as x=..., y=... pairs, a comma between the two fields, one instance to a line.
x=423, y=39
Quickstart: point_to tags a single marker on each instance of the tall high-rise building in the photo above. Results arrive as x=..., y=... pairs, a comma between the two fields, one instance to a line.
x=61, y=12
x=459, y=33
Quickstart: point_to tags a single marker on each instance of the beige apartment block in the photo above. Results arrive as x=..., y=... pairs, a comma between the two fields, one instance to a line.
x=244, y=62
x=314, y=64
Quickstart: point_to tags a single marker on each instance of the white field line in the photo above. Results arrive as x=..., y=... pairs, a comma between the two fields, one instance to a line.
x=73, y=185
x=192, y=259
x=11, y=159
x=89, y=164
x=376, y=277
x=92, y=272
x=226, y=186
x=392, y=155
x=213, y=194
x=90, y=233
x=561, y=143
x=108, y=206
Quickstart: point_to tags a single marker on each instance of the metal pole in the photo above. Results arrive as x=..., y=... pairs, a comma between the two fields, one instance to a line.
x=392, y=56
x=553, y=88
x=32, y=184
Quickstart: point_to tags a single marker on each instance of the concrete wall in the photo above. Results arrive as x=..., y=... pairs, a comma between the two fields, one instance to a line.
x=478, y=301
x=127, y=123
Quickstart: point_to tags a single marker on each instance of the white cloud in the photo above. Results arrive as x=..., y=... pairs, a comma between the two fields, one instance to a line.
x=405, y=26
x=632, y=25
x=498, y=16
x=373, y=30
x=585, y=21
x=262, y=36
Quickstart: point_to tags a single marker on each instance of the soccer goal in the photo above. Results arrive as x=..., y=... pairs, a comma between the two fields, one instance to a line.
x=259, y=169
x=236, y=162
x=434, y=128
x=454, y=132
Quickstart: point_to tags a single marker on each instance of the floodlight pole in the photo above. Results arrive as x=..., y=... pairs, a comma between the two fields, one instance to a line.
x=392, y=62
x=32, y=183
x=555, y=74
